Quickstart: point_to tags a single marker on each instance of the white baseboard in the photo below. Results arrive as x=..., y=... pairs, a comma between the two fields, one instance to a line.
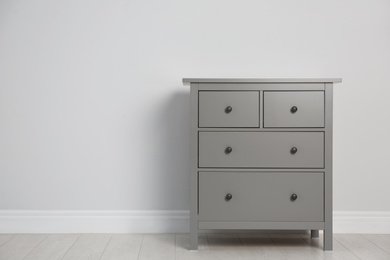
x=363, y=222
x=154, y=221
x=94, y=221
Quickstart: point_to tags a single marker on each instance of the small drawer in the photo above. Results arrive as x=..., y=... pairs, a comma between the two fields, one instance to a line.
x=294, y=108
x=229, y=109
x=258, y=196
x=261, y=149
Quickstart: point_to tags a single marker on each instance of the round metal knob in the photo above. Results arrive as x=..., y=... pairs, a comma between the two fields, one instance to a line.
x=294, y=197
x=293, y=150
x=294, y=109
x=228, y=150
x=228, y=197
x=228, y=109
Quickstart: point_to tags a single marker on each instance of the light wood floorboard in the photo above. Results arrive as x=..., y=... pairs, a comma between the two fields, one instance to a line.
x=4, y=238
x=212, y=246
x=339, y=251
x=226, y=246
x=123, y=246
x=383, y=241
x=54, y=246
x=20, y=246
x=158, y=247
x=183, y=244
x=88, y=246
x=261, y=246
x=293, y=246
x=362, y=247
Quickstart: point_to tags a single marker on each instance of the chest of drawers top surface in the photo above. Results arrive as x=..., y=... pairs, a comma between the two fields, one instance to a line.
x=261, y=80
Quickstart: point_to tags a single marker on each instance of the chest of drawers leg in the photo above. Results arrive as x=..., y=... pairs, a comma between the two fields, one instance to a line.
x=261, y=155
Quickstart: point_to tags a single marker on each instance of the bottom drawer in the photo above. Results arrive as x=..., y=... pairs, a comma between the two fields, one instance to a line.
x=259, y=196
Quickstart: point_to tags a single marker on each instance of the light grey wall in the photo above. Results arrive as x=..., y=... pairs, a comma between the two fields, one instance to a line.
x=93, y=114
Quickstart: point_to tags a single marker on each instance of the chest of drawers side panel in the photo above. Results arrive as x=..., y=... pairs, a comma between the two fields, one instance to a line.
x=194, y=166
x=328, y=203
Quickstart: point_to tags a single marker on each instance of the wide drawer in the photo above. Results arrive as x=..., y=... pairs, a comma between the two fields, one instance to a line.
x=261, y=196
x=261, y=149
x=229, y=109
x=294, y=108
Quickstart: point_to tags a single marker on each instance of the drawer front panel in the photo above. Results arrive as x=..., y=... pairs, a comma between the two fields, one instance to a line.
x=229, y=109
x=259, y=196
x=294, y=109
x=261, y=149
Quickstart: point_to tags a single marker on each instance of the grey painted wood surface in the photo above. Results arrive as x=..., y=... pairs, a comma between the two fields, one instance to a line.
x=278, y=105
x=261, y=150
x=243, y=225
x=261, y=80
x=193, y=166
x=314, y=233
x=244, y=105
x=328, y=195
x=251, y=193
x=260, y=86
x=255, y=150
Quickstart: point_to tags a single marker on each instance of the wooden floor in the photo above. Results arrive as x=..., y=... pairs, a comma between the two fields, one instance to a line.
x=175, y=246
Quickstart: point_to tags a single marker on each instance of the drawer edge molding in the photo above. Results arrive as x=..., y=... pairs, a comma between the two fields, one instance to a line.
x=259, y=225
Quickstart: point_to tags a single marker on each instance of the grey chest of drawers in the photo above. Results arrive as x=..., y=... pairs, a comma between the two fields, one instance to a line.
x=261, y=155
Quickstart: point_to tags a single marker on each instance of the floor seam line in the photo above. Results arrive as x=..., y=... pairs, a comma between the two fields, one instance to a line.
x=361, y=235
x=139, y=251
x=105, y=247
x=8, y=240
x=71, y=246
x=36, y=246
